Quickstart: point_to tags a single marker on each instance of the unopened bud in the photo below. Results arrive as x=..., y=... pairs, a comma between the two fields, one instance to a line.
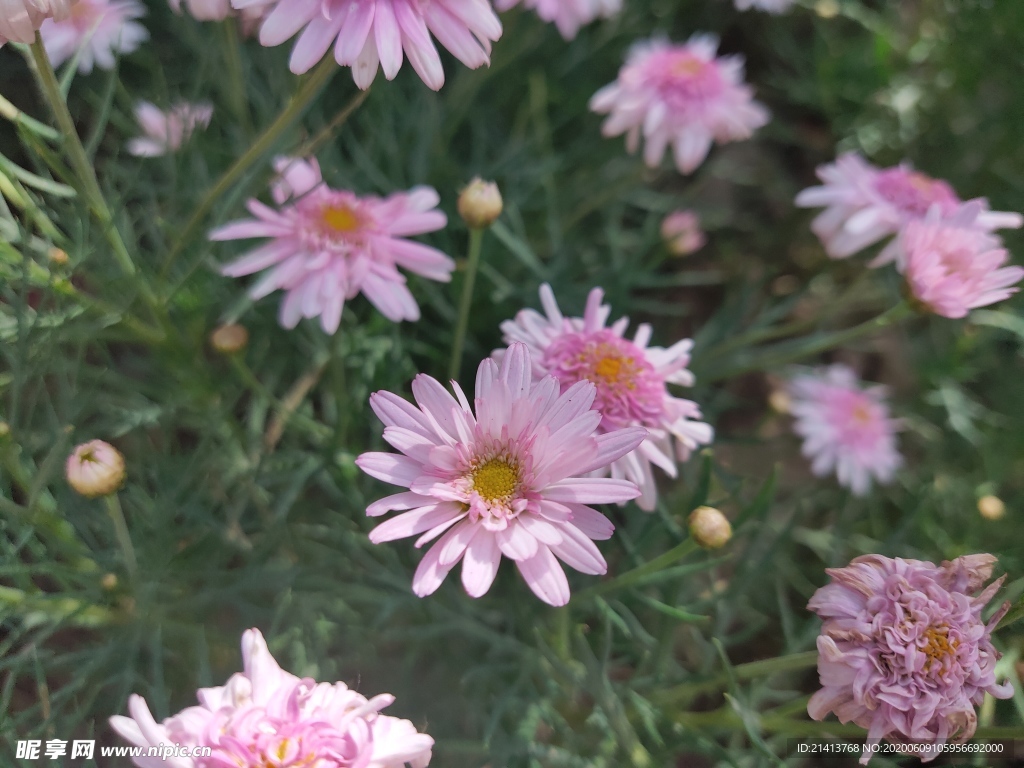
x=109, y=581
x=827, y=9
x=229, y=339
x=682, y=233
x=480, y=203
x=5, y=430
x=780, y=401
x=95, y=469
x=709, y=527
x=58, y=256
x=991, y=507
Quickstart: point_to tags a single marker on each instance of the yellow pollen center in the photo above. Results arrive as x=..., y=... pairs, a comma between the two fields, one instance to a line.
x=687, y=67
x=340, y=218
x=496, y=479
x=921, y=182
x=610, y=369
x=938, y=646
x=861, y=414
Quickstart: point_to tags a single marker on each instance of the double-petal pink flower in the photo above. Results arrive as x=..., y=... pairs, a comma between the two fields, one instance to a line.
x=508, y=477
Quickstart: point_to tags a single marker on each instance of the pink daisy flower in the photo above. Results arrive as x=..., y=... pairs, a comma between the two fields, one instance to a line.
x=630, y=379
x=952, y=266
x=165, y=132
x=864, y=205
x=19, y=19
x=682, y=233
x=368, y=33
x=329, y=245
x=679, y=95
x=845, y=428
x=509, y=480
x=903, y=651
x=265, y=717
x=101, y=29
x=567, y=15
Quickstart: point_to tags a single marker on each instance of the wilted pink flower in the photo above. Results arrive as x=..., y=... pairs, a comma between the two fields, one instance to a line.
x=771, y=6
x=845, y=428
x=265, y=717
x=864, y=205
x=952, y=266
x=567, y=15
x=165, y=132
x=630, y=378
x=681, y=95
x=101, y=29
x=366, y=33
x=509, y=480
x=95, y=469
x=903, y=651
x=329, y=245
x=19, y=19
x=682, y=233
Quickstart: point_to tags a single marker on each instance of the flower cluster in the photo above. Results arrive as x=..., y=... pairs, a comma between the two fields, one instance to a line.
x=903, y=651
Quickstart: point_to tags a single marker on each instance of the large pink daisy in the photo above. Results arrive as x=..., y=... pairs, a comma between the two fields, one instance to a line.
x=679, y=95
x=630, y=378
x=328, y=245
x=509, y=480
x=367, y=34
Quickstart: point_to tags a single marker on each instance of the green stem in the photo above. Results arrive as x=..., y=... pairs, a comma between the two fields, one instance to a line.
x=19, y=118
x=236, y=74
x=762, y=668
x=303, y=97
x=124, y=539
x=476, y=238
x=785, y=353
x=89, y=187
x=640, y=572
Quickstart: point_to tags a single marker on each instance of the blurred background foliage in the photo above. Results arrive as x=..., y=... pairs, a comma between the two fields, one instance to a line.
x=243, y=501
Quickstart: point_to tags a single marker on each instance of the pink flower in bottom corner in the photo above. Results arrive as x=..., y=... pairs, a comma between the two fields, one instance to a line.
x=567, y=15
x=100, y=30
x=630, y=377
x=264, y=717
x=508, y=480
x=679, y=95
x=903, y=651
x=952, y=267
x=846, y=428
x=329, y=245
x=165, y=132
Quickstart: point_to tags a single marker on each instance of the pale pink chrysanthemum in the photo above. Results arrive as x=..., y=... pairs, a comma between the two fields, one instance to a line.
x=679, y=95
x=630, y=378
x=100, y=29
x=509, y=480
x=865, y=204
x=328, y=245
x=682, y=233
x=165, y=132
x=771, y=6
x=371, y=33
x=903, y=651
x=846, y=428
x=19, y=19
x=952, y=266
x=567, y=15
x=265, y=717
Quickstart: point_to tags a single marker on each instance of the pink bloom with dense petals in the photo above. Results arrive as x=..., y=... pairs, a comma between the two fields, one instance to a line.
x=19, y=19
x=100, y=29
x=265, y=717
x=630, y=377
x=903, y=651
x=864, y=205
x=507, y=477
x=371, y=33
x=567, y=15
x=329, y=245
x=846, y=428
x=679, y=95
x=682, y=233
x=165, y=132
x=952, y=266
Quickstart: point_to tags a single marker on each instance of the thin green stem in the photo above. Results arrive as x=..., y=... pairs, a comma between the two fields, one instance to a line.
x=303, y=97
x=639, y=573
x=124, y=539
x=748, y=671
x=476, y=238
x=19, y=118
x=89, y=187
x=236, y=74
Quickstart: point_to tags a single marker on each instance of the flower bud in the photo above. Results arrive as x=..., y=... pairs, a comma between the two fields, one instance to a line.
x=5, y=430
x=991, y=507
x=709, y=527
x=480, y=203
x=682, y=233
x=780, y=401
x=109, y=581
x=229, y=339
x=58, y=256
x=95, y=469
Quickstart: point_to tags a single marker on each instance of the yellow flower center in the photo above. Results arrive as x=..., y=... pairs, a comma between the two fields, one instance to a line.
x=609, y=368
x=687, y=66
x=496, y=479
x=340, y=218
x=938, y=646
x=861, y=414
